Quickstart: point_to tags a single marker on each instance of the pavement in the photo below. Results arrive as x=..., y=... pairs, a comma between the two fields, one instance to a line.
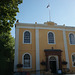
x=63, y=74
x=69, y=74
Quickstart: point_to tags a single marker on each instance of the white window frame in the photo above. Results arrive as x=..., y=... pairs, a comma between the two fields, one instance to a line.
x=30, y=61
x=71, y=59
x=48, y=39
x=30, y=37
x=69, y=38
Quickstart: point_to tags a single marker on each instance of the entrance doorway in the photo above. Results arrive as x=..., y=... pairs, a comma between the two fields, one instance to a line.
x=52, y=64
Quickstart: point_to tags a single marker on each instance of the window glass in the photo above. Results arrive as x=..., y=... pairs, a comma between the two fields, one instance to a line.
x=50, y=37
x=72, y=39
x=73, y=59
x=26, y=60
x=27, y=37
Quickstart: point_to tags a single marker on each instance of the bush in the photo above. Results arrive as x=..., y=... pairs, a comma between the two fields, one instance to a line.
x=43, y=63
x=64, y=62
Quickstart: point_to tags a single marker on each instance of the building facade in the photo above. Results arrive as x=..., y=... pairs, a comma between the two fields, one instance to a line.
x=44, y=46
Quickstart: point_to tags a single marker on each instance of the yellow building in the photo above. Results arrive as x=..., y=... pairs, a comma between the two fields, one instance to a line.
x=44, y=46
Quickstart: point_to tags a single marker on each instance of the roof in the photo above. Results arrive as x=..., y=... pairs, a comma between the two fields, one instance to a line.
x=46, y=25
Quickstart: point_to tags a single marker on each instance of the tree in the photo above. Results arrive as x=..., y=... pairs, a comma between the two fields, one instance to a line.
x=7, y=44
x=8, y=10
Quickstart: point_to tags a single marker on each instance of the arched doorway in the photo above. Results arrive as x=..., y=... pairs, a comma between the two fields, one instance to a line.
x=53, y=64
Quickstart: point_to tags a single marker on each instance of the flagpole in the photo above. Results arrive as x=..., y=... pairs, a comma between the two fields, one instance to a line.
x=49, y=15
x=48, y=6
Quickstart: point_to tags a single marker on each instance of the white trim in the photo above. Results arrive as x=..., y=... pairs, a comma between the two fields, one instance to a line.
x=34, y=27
x=69, y=37
x=66, y=49
x=16, y=48
x=48, y=39
x=30, y=61
x=30, y=37
x=57, y=62
x=37, y=52
x=29, y=24
x=71, y=59
x=72, y=44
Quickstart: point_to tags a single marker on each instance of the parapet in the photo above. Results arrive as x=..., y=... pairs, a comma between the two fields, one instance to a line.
x=50, y=23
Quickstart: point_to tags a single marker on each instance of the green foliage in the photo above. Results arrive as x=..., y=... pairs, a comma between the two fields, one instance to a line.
x=8, y=10
x=7, y=43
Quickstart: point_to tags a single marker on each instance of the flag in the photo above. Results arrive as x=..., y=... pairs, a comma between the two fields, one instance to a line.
x=48, y=6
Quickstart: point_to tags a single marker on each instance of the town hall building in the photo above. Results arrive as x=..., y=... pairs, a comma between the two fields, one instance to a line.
x=44, y=46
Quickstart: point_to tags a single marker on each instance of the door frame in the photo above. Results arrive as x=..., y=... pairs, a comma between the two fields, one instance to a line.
x=57, y=62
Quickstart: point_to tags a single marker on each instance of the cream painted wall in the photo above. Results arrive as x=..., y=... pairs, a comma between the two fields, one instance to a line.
x=27, y=48
x=71, y=49
x=43, y=43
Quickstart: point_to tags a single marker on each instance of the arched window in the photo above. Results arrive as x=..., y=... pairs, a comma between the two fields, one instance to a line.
x=26, y=60
x=72, y=38
x=73, y=59
x=27, y=37
x=50, y=38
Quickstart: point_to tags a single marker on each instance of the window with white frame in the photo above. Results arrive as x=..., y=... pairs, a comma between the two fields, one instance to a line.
x=27, y=37
x=72, y=38
x=50, y=38
x=26, y=60
x=73, y=59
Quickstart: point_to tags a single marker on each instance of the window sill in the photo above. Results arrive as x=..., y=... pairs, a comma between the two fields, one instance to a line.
x=72, y=44
x=51, y=43
x=27, y=43
x=73, y=66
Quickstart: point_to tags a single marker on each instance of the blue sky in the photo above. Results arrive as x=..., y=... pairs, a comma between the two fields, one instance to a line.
x=61, y=11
